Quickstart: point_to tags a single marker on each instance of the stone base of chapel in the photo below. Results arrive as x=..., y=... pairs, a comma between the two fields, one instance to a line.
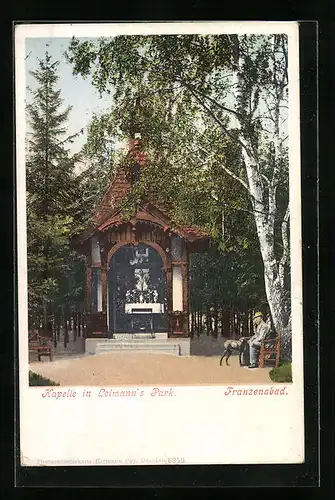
x=126, y=343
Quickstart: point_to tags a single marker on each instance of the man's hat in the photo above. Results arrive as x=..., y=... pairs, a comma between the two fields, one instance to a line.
x=258, y=315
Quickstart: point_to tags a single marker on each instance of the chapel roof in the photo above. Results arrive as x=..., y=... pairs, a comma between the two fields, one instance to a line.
x=118, y=189
x=108, y=214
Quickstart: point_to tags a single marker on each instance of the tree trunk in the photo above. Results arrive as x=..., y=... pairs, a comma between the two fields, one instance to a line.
x=274, y=286
x=245, y=321
x=66, y=328
x=276, y=295
x=54, y=332
x=265, y=214
x=216, y=322
x=252, y=313
x=75, y=331
x=70, y=321
x=199, y=323
x=84, y=323
x=192, y=323
x=225, y=322
x=58, y=324
x=208, y=322
x=232, y=333
x=236, y=324
x=79, y=324
x=45, y=318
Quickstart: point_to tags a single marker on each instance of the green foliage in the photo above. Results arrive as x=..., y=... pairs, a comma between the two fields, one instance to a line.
x=200, y=102
x=37, y=380
x=175, y=90
x=218, y=278
x=54, y=207
x=281, y=374
x=101, y=157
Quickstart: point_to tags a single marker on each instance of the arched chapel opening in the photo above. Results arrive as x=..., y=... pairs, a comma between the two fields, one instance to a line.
x=137, y=292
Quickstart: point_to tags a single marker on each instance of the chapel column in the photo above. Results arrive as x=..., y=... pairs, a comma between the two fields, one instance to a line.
x=169, y=295
x=88, y=291
x=185, y=298
x=103, y=260
x=104, y=287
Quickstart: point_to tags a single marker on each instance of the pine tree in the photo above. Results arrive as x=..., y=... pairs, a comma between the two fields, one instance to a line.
x=52, y=197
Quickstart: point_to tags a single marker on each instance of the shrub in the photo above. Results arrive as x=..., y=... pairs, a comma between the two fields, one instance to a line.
x=36, y=379
x=282, y=374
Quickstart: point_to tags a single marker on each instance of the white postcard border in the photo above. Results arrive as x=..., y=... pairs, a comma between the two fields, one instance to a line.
x=198, y=423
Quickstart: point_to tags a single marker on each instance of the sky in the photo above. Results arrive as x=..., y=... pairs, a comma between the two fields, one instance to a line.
x=75, y=91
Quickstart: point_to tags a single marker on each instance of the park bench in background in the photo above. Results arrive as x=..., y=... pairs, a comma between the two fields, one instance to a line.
x=41, y=345
x=270, y=351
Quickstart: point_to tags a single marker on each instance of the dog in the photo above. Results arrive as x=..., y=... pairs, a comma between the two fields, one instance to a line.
x=241, y=346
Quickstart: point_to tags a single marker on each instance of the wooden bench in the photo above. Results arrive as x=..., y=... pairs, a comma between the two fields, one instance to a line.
x=270, y=351
x=41, y=345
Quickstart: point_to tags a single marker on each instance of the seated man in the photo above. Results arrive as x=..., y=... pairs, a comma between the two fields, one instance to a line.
x=261, y=331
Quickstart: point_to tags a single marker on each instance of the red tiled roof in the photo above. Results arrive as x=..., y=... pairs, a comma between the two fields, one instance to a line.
x=117, y=190
x=113, y=221
x=195, y=231
x=107, y=214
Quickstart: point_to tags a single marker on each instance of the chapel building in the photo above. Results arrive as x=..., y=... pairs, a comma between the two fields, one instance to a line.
x=137, y=270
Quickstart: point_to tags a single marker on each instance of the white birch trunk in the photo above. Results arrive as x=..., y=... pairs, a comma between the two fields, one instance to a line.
x=274, y=284
x=264, y=220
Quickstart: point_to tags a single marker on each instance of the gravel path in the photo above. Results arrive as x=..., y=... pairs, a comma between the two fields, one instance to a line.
x=116, y=369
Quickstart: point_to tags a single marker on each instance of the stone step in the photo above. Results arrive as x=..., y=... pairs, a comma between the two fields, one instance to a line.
x=69, y=351
x=69, y=347
x=143, y=341
x=144, y=347
x=140, y=336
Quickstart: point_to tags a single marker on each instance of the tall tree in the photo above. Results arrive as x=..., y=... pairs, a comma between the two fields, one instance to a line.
x=240, y=84
x=99, y=155
x=52, y=196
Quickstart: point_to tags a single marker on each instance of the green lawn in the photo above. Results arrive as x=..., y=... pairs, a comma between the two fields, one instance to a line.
x=281, y=374
x=36, y=379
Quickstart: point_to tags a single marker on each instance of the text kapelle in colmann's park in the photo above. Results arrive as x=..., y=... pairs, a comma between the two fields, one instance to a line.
x=104, y=393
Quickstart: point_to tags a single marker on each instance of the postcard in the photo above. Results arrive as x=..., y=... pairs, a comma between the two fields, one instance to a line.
x=159, y=243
